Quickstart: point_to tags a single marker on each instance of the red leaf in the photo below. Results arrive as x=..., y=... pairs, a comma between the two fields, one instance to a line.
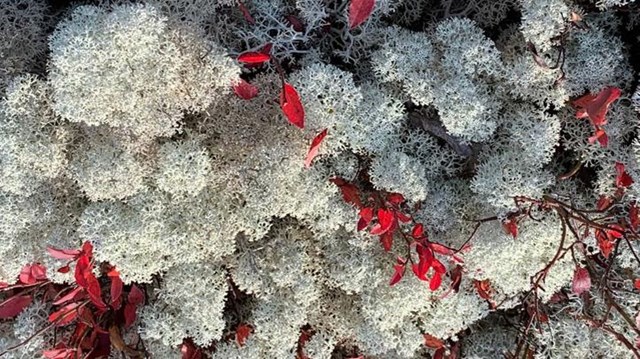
x=359, y=11
x=387, y=240
x=129, y=315
x=511, y=227
x=605, y=243
x=253, y=58
x=315, y=146
x=189, y=351
x=438, y=267
x=623, y=179
x=242, y=333
x=136, y=296
x=636, y=283
x=73, y=295
x=402, y=217
x=83, y=267
x=439, y=354
x=397, y=274
x=64, y=254
x=435, y=281
x=349, y=191
x=39, y=272
x=440, y=249
x=59, y=353
x=32, y=273
x=634, y=216
x=245, y=13
x=366, y=215
x=483, y=287
x=14, y=306
x=603, y=203
x=385, y=222
x=395, y=198
x=87, y=249
x=581, y=281
x=116, y=292
x=291, y=105
x=65, y=315
x=418, y=231
x=596, y=107
x=245, y=90
x=432, y=342
x=94, y=291
x=601, y=137
x=296, y=24
x=421, y=269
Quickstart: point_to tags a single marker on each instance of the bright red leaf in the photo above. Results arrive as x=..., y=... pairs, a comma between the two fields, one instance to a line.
x=397, y=274
x=64, y=254
x=83, y=268
x=385, y=222
x=636, y=283
x=581, y=281
x=245, y=90
x=366, y=215
x=395, y=198
x=418, y=231
x=605, y=242
x=253, y=58
x=359, y=11
x=14, y=306
x=436, y=281
x=242, y=333
x=95, y=292
x=432, y=342
x=315, y=146
x=386, y=239
x=292, y=106
x=440, y=249
x=623, y=179
x=603, y=203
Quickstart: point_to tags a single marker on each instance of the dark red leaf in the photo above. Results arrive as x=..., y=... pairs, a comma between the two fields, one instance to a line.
x=581, y=281
x=292, y=106
x=366, y=215
x=245, y=90
x=136, y=296
x=436, y=281
x=623, y=179
x=596, y=107
x=315, y=146
x=253, y=58
x=64, y=254
x=511, y=227
x=73, y=295
x=116, y=292
x=359, y=11
x=296, y=24
x=418, y=231
x=395, y=198
x=129, y=315
x=190, y=351
x=397, y=274
x=387, y=240
x=242, y=333
x=385, y=222
x=14, y=306
x=439, y=354
x=456, y=278
x=65, y=315
x=246, y=14
x=603, y=203
x=266, y=49
x=350, y=193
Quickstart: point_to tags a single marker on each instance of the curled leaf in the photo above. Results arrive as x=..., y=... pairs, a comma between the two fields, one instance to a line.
x=64, y=254
x=292, y=106
x=359, y=11
x=581, y=281
x=315, y=147
x=595, y=107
